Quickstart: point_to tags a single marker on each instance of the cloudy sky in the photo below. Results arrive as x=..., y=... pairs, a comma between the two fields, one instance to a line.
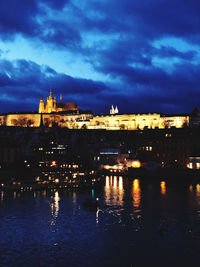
x=143, y=56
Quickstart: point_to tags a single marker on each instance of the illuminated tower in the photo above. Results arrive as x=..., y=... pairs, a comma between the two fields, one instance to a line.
x=51, y=103
x=112, y=110
x=116, y=110
x=41, y=105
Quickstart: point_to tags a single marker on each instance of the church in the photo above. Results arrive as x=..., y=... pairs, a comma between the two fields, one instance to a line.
x=51, y=105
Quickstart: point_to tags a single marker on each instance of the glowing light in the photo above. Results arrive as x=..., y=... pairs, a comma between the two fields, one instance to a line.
x=115, y=182
x=136, y=193
x=107, y=167
x=97, y=216
x=53, y=163
x=163, y=187
x=120, y=183
x=191, y=188
x=189, y=165
x=198, y=190
x=114, y=191
x=114, y=167
x=55, y=208
x=107, y=181
x=2, y=196
x=92, y=192
x=136, y=164
x=56, y=181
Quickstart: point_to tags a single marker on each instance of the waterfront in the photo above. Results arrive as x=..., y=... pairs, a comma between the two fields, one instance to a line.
x=138, y=223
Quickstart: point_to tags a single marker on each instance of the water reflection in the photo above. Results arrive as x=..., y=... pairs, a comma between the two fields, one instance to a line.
x=114, y=190
x=191, y=188
x=74, y=202
x=97, y=216
x=163, y=187
x=2, y=196
x=55, y=208
x=136, y=193
x=198, y=190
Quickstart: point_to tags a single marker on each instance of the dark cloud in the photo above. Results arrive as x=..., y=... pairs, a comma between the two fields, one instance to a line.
x=22, y=83
x=17, y=17
x=57, y=4
x=123, y=51
x=170, y=52
x=62, y=34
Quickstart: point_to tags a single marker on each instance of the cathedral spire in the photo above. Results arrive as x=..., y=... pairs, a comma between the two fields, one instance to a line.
x=116, y=110
x=51, y=93
x=60, y=98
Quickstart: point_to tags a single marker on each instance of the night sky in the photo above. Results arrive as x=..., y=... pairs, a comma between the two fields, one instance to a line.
x=143, y=56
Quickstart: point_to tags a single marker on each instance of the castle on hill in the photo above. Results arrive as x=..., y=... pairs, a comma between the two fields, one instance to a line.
x=68, y=115
x=52, y=106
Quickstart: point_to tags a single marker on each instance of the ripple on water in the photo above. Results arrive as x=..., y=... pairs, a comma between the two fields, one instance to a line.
x=54, y=229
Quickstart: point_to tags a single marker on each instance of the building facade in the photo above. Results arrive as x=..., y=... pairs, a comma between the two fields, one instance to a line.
x=68, y=115
x=51, y=105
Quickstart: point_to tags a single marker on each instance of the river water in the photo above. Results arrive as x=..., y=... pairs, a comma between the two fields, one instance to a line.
x=139, y=223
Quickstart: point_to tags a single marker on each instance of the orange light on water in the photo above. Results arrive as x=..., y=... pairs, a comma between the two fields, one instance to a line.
x=198, y=190
x=191, y=188
x=115, y=182
x=136, y=193
x=107, y=181
x=163, y=187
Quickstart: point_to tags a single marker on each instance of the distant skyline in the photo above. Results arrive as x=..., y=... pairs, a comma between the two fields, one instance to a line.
x=143, y=56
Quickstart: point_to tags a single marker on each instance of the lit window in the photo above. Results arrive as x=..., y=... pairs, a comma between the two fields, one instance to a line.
x=189, y=165
x=198, y=165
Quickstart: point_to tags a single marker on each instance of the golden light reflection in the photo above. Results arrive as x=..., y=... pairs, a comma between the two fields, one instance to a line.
x=107, y=181
x=115, y=182
x=55, y=208
x=120, y=183
x=136, y=193
x=56, y=203
x=191, y=188
x=2, y=196
x=163, y=187
x=198, y=190
x=114, y=190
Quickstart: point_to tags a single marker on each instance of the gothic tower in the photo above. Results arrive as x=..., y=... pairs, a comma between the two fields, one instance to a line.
x=41, y=106
x=51, y=103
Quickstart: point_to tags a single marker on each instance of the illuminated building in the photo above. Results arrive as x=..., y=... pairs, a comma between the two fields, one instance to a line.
x=194, y=163
x=68, y=115
x=52, y=106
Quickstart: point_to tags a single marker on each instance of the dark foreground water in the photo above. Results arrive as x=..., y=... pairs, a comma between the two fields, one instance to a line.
x=139, y=223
